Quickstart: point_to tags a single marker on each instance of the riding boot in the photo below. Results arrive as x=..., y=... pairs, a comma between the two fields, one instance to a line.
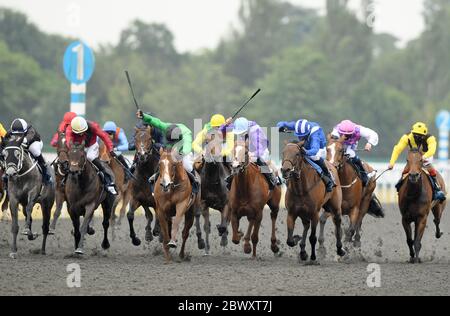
x=362, y=172
x=229, y=181
x=125, y=164
x=152, y=181
x=109, y=182
x=46, y=177
x=399, y=184
x=194, y=181
x=5, y=181
x=326, y=175
x=267, y=173
x=438, y=195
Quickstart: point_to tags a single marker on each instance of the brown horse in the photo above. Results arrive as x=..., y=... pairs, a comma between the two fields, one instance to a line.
x=123, y=185
x=61, y=168
x=305, y=196
x=85, y=192
x=415, y=200
x=248, y=196
x=147, y=159
x=355, y=197
x=174, y=198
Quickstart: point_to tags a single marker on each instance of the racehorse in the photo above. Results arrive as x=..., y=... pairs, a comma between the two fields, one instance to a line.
x=248, y=196
x=355, y=197
x=4, y=193
x=415, y=200
x=26, y=188
x=174, y=198
x=85, y=192
x=213, y=173
x=123, y=185
x=147, y=159
x=306, y=196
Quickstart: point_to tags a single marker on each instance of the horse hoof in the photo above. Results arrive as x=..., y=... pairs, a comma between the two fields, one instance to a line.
x=172, y=244
x=222, y=230
x=201, y=244
x=236, y=241
x=156, y=233
x=291, y=243
x=51, y=232
x=206, y=254
x=275, y=249
x=13, y=255
x=79, y=251
x=304, y=256
x=149, y=237
x=32, y=237
x=224, y=242
x=136, y=241
x=106, y=245
x=439, y=235
x=357, y=244
x=91, y=231
x=247, y=249
x=341, y=253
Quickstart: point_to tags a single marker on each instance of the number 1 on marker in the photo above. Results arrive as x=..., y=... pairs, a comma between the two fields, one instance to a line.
x=79, y=50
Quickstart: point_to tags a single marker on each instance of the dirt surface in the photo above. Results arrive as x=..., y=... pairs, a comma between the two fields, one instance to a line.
x=129, y=270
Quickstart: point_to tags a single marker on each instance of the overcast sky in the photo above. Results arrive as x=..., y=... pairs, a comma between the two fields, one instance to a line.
x=196, y=24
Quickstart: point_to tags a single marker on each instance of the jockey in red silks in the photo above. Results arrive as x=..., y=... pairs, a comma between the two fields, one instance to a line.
x=68, y=117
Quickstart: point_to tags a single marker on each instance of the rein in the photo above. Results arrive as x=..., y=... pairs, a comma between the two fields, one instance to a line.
x=20, y=165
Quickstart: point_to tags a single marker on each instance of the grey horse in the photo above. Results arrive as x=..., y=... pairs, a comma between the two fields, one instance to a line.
x=26, y=188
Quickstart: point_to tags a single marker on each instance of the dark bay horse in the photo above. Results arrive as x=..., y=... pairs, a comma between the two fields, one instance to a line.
x=25, y=187
x=213, y=173
x=415, y=200
x=305, y=197
x=248, y=196
x=85, y=192
x=4, y=194
x=174, y=200
x=147, y=159
x=355, y=197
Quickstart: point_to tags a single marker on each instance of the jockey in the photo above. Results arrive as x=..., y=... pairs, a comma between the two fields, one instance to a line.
x=80, y=131
x=68, y=117
x=179, y=137
x=214, y=126
x=353, y=134
x=258, y=151
x=419, y=139
x=119, y=140
x=32, y=141
x=314, y=147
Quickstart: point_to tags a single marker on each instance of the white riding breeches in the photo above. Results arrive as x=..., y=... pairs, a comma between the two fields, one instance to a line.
x=92, y=152
x=264, y=157
x=321, y=154
x=428, y=161
x=188, y=162
x=36, y=148
x=350, y=151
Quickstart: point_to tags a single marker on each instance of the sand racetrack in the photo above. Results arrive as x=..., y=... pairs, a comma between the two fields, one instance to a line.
x=129, y=270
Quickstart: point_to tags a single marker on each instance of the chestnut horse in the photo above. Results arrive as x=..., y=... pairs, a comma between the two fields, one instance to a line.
x=306, y=196
x=123, y=186
x=248, y=196
x=355, y=197
x=415, y=200
x=147, y=159
x=174, y=198
x=85, y=192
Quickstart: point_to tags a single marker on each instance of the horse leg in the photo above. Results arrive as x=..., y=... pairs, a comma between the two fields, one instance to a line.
x=76, y=229
x=306, y=227
x=247, y=247
x=14, y=207
x=148, y=227
x=323, y=222
x=313, y=236
x=236, y=239
x=255, y=234
x=353, y=216
x=409, y=239
x=224, y=221
x=59, y=200
x=130, y=215
x=107, y=207
x=188, y=223
x=46, y=215
x=437, y=212
x=180, y=211
x=361, y=214
x=421, y=224
x=337, y=220
x=206, y=228
x=123, y=209
x=84, y=227
x=5, y=205
x=164, y=234
x=29, y=220
x=292, y=240
x=273, y=239
x=200, y=242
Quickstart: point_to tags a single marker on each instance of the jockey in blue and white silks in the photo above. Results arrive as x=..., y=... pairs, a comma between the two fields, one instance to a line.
x=315, y=146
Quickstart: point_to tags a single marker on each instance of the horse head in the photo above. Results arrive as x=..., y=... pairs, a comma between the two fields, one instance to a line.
x=240, y=156
x=62, y=152
x=415, y=165
x=144, y=143
x=336, y=151
x=77, y=158
x=168, y=168
x=13, y=154
x=292, y=160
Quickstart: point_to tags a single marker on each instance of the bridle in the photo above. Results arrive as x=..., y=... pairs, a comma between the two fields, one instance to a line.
x=294, y=172
x=19, y=166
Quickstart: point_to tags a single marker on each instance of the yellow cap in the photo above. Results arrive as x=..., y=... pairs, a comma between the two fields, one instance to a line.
x=420, y=128
x=217, y=120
